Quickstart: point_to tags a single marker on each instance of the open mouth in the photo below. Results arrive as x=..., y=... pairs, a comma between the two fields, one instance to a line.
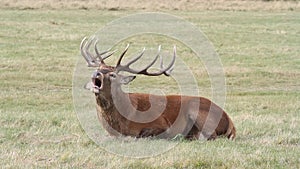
x=97, y=83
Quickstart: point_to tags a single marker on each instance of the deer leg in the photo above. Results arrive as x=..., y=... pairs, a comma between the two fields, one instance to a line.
x=201, y=132
x=213, y=136
x=193, y=133
x=150, y=132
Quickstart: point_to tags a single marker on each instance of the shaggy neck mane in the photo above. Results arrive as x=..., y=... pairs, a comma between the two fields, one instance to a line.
x=106, y=103
x=106, y=100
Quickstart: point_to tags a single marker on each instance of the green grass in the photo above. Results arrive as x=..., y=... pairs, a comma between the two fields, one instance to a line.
x=39, y=127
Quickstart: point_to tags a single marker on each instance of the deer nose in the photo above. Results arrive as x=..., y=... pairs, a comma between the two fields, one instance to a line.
x=96, y=74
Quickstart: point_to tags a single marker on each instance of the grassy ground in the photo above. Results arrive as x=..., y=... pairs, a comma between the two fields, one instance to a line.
x=39, y=128
x=240, y=5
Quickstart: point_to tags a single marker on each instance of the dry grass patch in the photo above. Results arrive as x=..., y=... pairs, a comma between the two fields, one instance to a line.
x=192, y=5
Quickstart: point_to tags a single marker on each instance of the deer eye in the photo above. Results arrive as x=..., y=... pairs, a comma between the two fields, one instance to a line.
x=113, y=75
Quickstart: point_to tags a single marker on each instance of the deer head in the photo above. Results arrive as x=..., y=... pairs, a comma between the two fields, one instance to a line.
x=106, y=77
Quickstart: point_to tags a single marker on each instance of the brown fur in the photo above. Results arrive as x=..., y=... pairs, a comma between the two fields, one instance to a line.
x=181, y=115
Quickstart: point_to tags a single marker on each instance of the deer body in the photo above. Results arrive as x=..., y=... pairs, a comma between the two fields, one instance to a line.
x=175, y=103
x=145, y=115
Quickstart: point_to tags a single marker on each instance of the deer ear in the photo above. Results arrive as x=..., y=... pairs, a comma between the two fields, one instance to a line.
x=126, y=79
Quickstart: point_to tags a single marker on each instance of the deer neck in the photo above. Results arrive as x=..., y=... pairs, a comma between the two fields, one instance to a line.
x=107, y=100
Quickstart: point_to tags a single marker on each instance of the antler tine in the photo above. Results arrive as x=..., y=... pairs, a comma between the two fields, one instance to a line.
x=86, y=55
x=88, y=45
x=136, y=58
x=93, y=61
x=97, y=51
x=108, y=55
x=100, y=55
x=169, y=70
x=166, y=71
x=144, y=71
x=126, y=67
x=122, y=55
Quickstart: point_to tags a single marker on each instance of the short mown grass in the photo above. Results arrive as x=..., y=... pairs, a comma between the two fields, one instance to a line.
x=39, y=127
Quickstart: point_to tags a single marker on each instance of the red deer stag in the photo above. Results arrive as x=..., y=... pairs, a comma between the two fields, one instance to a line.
x=146, y=115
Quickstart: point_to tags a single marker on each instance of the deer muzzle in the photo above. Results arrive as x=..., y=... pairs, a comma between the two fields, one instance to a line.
x=97, y=80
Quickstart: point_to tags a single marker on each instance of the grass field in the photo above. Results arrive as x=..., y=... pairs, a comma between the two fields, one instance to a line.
x=39, y=128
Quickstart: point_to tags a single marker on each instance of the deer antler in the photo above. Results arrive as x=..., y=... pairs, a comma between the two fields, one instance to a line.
x=98, y=60
x=166, y=71
x=93, y=61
